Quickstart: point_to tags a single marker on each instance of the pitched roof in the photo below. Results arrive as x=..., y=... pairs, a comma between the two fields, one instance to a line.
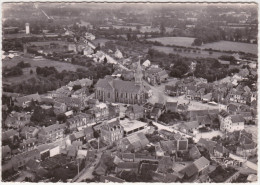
x=224, y=113
x=9, y=133
x=189, y=170
x=201, y=163
x=171, y=104
x=221, y=149
x=53, y=127
x=237, y=118
x=128, y=165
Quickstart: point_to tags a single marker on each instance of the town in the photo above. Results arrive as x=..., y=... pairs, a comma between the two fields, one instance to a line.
x=114, y=92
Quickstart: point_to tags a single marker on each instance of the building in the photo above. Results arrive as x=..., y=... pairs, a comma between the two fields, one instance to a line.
x=156, y=76
x=115, y=90
x=80, y=121
x=111, y=132
x=27, y=28
x=171, y=106
x=132, y=126
x=135, y=112
x=134, y=142
x=127, y=166
x=22, y=159
x=51, y=133
x=230, y=123
x=28, y=144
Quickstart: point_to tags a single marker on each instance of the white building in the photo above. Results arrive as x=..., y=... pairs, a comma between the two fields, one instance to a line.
x=27, y=28
x=230, y=123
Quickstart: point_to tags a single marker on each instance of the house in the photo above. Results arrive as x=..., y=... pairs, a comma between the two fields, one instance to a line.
x=194, y=152
x=29, y=132
x=165, y=164
x=127, y=166
x=17, y=119
x=135, y=142
x=190, y=127
x=6, y=152
x=171, y=106
x=202, y=164
x=28, y=144
x=207, y=144
x=135, y=112
x=111, y=132
x=247, y=147
x=25, y=101
x=59, y=108
x=22, y=159
x=71, y=102
x=9, y=135
x=229, y=122
x=89, y=133
x=172, y=90
x=190, y=173
x=155, y=75
x=146, y=63
x=232, y=108
x=51, y=133
x=148, y=166
x=220, y=151
x=80, y=121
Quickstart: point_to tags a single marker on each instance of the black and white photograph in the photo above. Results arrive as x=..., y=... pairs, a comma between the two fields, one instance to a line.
x=129, y=92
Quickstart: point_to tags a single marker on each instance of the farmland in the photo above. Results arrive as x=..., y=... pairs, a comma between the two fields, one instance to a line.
x=221, y=45
x=177, y=41
x=191, y=54
x=233, y=46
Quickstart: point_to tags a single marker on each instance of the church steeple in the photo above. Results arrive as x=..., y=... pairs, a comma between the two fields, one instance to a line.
x=138, y=74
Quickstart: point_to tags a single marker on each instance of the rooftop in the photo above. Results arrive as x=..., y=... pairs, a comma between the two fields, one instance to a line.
x=130, y=125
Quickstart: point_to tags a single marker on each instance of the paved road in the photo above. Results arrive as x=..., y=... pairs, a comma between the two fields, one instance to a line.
x=87, y=174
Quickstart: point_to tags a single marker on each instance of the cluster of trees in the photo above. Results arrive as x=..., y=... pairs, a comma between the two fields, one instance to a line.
x=15, y=70
x=42, y=117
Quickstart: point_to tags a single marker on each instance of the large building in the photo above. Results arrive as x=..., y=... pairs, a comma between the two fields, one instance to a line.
x=119, y=91
x=230, y=123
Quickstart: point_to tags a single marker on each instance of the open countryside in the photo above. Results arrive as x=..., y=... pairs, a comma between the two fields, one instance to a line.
x=220, y=45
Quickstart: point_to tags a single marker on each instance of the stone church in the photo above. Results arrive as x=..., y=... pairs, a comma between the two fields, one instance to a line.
x=119, y=91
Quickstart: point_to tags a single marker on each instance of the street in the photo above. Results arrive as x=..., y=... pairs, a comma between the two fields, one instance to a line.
x=87, y=174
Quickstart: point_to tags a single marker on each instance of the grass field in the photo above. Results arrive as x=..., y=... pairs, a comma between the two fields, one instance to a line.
x=221, y=45
x=233, y=46
x=191, y=54
x=178, y=41
x=60, y=66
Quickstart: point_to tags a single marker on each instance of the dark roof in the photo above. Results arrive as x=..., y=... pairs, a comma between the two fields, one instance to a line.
x=128, y=165
x=237, y=118
x=232, y=107
x=171, y=104
x=189, y=170
x=223, y=113
x=159, y=105
x=9, y=133
x=221, y=149
x=128, y=155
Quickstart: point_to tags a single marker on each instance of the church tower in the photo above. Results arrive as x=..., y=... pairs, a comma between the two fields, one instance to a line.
x=138, y=74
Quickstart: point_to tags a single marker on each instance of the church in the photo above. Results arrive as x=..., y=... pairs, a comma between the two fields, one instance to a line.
x=119, y=91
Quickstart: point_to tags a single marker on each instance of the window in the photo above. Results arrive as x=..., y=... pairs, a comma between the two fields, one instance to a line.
x=108, y=95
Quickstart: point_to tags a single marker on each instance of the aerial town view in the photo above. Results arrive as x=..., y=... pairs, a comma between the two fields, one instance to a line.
x=129, y=92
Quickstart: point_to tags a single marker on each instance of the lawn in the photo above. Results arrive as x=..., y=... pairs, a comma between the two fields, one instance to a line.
x=60, y=66
x=178, y=41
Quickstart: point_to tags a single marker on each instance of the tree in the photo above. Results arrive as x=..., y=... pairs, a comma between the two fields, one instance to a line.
x=62, y=118
x=76, y=87
x=31, y=71
x=162, y=28
x=38, y=115
x=197, y=42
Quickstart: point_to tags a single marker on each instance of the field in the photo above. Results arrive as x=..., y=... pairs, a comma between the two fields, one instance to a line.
x=221, y=45
x=178, y=41
x=60, y=66
x=233, y=46
x=191, y=54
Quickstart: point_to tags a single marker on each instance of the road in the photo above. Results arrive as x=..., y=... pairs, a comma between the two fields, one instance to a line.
x=87, y=174
x=160, y=127
x=160, y=96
